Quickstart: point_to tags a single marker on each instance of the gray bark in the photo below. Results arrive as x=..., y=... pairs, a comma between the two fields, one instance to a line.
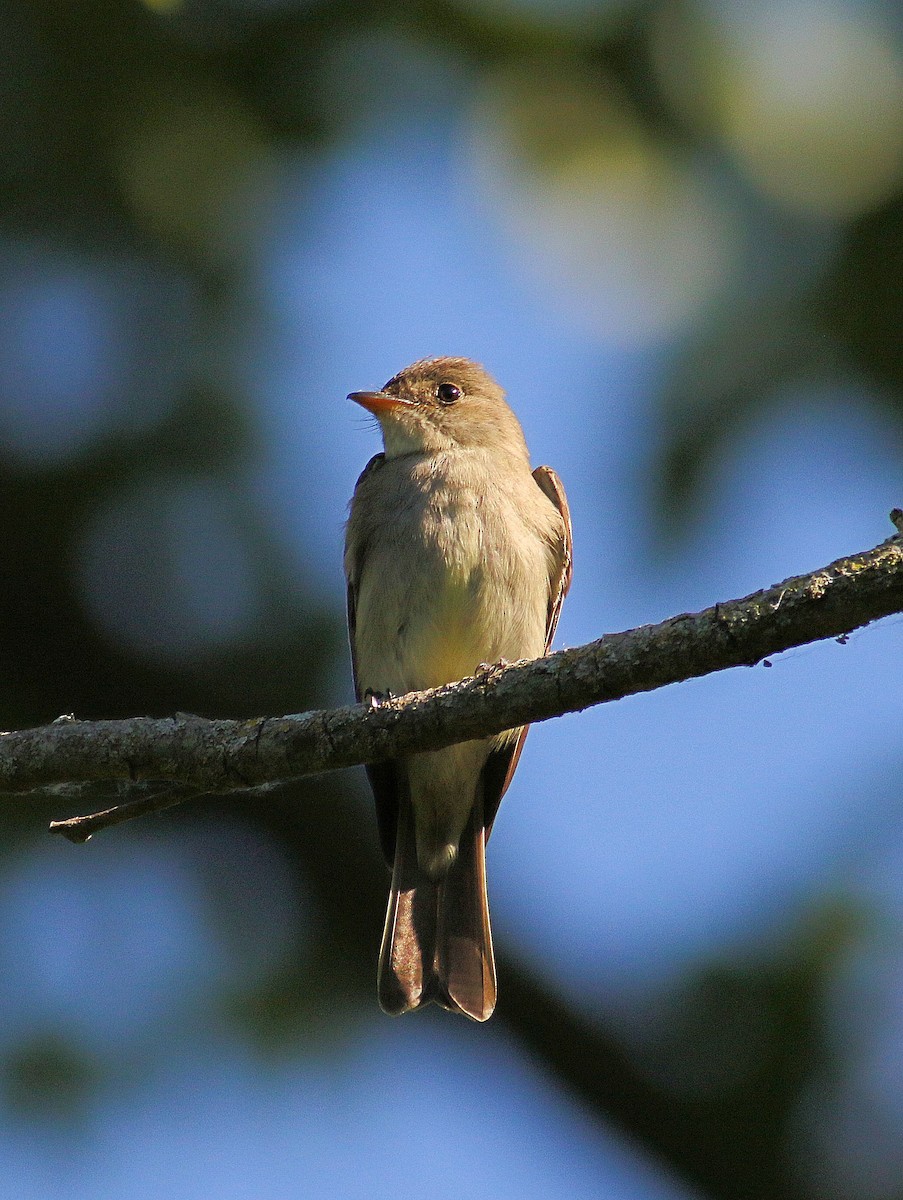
x=186, y=755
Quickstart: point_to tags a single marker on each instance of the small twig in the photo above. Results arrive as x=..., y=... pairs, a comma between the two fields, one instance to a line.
x=157, y=799
x=80, y=829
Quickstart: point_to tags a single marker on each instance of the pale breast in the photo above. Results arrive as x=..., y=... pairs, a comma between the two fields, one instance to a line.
x=458, y=576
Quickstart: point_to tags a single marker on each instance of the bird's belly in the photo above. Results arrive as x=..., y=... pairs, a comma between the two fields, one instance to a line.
x=452, y=637
x=472, y=598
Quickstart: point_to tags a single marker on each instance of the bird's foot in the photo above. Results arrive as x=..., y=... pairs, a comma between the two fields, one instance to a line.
x=375, y=699
x=486, y=668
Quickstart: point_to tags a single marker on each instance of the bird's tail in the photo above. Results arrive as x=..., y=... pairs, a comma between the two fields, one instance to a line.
x=437, y=943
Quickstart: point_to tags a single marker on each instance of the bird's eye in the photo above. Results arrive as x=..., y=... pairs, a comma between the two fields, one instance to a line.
x=448, y=393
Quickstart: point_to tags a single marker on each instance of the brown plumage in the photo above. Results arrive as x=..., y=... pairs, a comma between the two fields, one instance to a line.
x=456, y=555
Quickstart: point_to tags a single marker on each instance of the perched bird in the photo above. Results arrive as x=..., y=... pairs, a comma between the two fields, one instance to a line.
x=456, y=556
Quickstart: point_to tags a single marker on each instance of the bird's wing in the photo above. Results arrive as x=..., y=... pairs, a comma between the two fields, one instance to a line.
x=354, y=574
x=501, y=764
x=382, y=776
x=561, y=579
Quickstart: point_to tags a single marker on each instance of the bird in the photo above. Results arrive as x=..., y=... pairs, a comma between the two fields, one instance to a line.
x=457, y=556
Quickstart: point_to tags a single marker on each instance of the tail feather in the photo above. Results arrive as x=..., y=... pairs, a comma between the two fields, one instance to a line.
x=437, y=942
x=408, y=945
x=464, y=963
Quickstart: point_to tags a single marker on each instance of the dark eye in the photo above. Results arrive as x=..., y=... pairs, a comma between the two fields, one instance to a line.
x=448, y=393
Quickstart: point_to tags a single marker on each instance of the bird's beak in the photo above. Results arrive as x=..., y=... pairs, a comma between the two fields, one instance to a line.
x=378, y=402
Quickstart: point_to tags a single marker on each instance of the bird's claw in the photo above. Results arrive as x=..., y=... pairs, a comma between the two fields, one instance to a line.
x=485, y=668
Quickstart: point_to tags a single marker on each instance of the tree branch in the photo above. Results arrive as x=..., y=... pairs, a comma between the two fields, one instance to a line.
x=203, y=756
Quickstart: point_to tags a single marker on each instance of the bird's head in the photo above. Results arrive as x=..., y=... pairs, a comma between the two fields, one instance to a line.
x=442, y=404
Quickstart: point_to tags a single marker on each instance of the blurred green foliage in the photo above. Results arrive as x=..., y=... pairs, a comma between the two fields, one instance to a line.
x=48, y=1076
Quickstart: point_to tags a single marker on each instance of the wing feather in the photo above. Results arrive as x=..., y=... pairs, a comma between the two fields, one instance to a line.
x=502, y=764
x=382, y=776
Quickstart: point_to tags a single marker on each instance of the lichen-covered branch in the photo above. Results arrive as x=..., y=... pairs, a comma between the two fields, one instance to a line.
x=203, y=755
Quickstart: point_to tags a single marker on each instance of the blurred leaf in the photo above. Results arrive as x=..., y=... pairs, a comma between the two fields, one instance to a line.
x=863, y=300
x=724, y=1111
x=722, y=381
x=48, y=1079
